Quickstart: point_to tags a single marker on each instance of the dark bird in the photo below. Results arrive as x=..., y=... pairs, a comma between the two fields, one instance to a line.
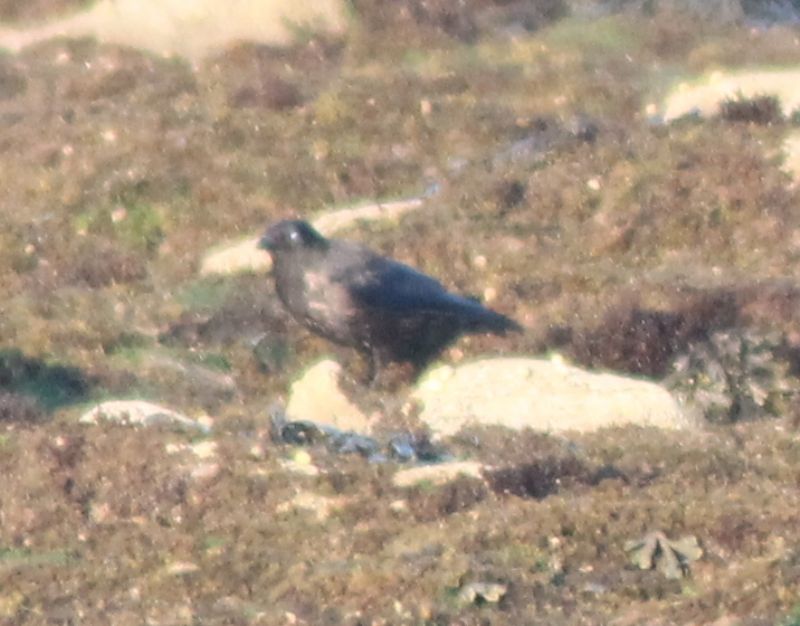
x=355, y=297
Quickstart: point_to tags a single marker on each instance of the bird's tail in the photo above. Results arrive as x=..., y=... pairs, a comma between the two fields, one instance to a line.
x=491, y=321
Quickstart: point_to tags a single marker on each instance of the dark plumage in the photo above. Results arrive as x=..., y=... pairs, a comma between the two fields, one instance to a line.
x=354, y=297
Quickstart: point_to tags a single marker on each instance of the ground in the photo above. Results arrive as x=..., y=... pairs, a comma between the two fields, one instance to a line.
x=616, y=241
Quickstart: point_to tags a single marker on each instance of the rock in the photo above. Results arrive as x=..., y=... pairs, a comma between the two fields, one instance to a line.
x=181, y=568
x=190, y=29
x=317, y=397
x=205, y=471
x=300, y=467
x=707, y=94
x=140, y=413
x=480, y=592
x=330, y=222
x=237, y=257
x=244, y=255
x=437, y=474
x=204, y=449
x=546, y=395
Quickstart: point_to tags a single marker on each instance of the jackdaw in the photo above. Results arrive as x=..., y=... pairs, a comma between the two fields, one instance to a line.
x=354, y=297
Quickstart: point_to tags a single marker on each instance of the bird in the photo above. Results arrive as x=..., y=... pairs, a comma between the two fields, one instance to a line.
x=352, y=296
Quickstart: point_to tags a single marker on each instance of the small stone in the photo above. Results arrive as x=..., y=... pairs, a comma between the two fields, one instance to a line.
x=119, y=214
x=100, y=512
x=437, y=474
x=479, y=592
x=304, y=469
x=302, y=457
x=238, y=257
x=205, y=471
x=257, y=452
x=206, y=422
x=182, y=568
x=593, y=184
x=399, y=506
x=204, y=449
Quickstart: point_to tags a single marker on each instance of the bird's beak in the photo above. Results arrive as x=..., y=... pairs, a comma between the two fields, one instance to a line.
x=267, y=241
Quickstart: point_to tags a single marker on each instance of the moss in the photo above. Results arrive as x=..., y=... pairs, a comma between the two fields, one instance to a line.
x=601, y=36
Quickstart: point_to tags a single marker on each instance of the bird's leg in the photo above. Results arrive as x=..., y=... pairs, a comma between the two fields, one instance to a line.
x=385, y=375
x=373, y=366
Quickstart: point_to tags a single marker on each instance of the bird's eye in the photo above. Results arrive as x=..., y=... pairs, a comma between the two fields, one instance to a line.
x=294, y=236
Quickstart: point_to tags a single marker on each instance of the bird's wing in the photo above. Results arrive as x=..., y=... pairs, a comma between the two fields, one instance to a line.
x=393, y=289
x=383, y=284
x=389, y=289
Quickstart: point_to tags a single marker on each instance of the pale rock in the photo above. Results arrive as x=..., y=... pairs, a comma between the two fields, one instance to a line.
x=545, y=395
x=244, y=255
x=204, y=449
x=189, y=28
x=139, y=413
x=317, y=397
x=237, y=257
x=205, y=471
x=487, y=592
x=299, y=467
x=330, y=222
x=182, y=568
x=437, y=474
x=705, y=95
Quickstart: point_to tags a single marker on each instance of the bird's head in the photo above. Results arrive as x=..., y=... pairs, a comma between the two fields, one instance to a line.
x=291, y=235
